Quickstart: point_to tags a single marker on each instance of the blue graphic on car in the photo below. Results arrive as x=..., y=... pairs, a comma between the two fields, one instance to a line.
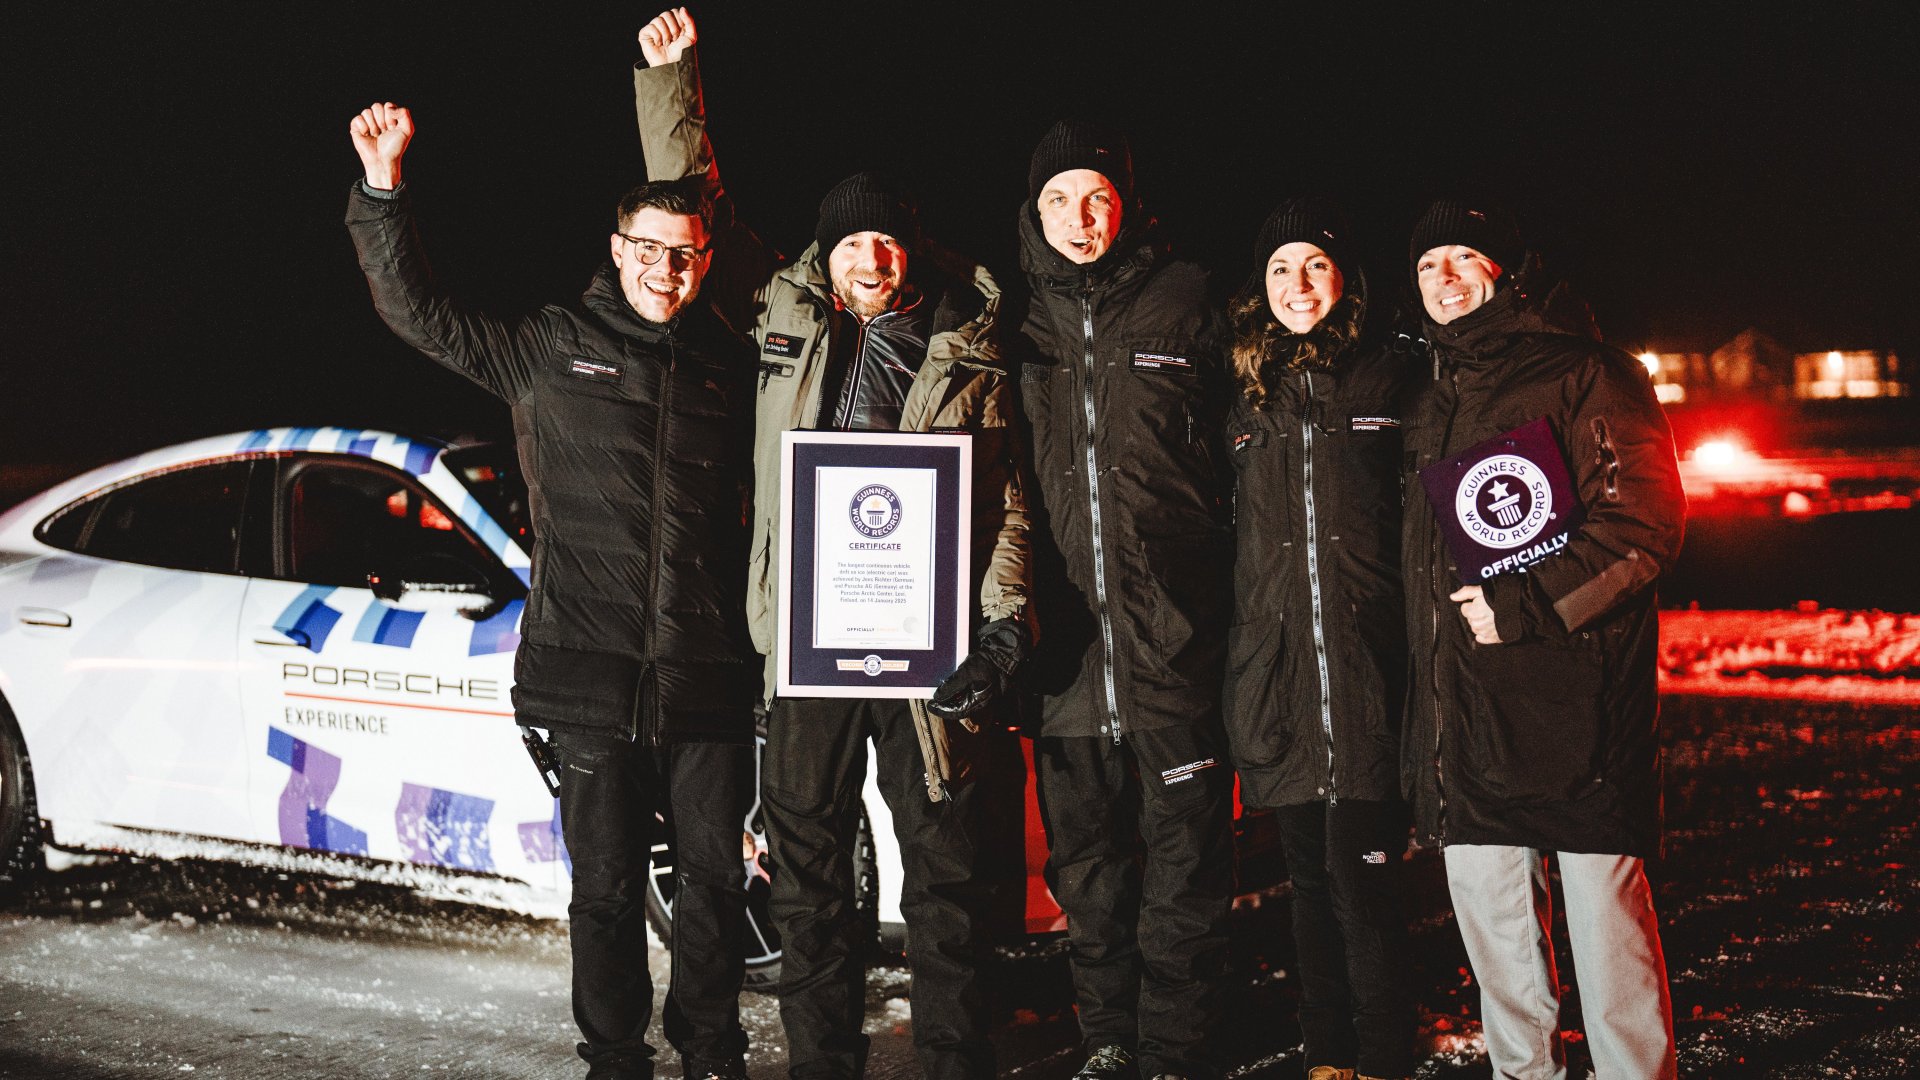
x=444, y=828
x=499, y=634
x=383, y=625
x=543, y=841
x=307, y=619
x=304, y=821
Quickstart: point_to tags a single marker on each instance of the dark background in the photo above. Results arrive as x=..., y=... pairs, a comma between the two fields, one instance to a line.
x=174, y=265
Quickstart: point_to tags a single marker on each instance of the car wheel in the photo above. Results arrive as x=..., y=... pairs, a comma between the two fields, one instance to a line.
x=762, y=945
x=19, y=814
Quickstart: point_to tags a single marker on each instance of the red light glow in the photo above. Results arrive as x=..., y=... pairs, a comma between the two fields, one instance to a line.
x=1721, y=454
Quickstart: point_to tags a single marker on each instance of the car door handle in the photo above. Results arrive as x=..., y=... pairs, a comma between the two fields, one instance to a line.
x=285, y=639
x=39, y=616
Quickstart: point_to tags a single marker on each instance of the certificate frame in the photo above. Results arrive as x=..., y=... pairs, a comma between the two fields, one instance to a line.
x=817, y=654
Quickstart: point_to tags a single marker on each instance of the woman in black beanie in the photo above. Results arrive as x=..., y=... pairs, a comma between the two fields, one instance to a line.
x=1316, y=661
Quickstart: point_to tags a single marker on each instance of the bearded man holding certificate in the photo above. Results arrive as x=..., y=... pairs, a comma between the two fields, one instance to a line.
x=872, y=329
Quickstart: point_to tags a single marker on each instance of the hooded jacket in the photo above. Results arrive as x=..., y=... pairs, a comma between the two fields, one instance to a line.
x=631, y=437
x=1550, y=738
x=1316, y=668
x=960, y=383
x=1123, y=386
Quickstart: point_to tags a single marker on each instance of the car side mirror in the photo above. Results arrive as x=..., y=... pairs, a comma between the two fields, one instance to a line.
x=435, y=583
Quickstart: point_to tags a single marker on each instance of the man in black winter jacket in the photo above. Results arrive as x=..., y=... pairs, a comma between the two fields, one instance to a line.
x=634, y=649
x=1123, y=388
x=1531, y=728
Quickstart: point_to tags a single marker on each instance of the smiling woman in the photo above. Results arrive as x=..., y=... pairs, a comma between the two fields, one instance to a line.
x=1303, y=284
x=1316, y=668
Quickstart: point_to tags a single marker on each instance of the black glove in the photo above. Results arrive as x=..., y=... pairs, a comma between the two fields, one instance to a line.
x=984, y=675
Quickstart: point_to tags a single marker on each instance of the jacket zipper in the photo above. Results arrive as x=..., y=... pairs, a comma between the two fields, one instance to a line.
x=1435, y=571
x=1093, y=502
x=843, y=417
x=1313, y=583
x=648, y=682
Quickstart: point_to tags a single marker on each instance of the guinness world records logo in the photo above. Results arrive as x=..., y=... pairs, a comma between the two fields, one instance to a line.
x=1504, y=501
x=875, y=511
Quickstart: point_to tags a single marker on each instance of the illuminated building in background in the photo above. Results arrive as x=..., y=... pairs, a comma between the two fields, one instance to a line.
x=1752, y=367
x=1755, y=368
x=1673, y=372
x=1853, y=373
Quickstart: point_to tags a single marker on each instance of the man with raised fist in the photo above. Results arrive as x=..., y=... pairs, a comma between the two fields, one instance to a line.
x=873, y=328
x=627, y=413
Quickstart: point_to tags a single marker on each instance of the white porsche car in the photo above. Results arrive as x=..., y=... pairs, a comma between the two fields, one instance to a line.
x=294, y=647
x=291, y=647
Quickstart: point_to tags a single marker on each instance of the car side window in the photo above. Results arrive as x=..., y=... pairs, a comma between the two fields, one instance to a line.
x=185, y=519
x=345, y=522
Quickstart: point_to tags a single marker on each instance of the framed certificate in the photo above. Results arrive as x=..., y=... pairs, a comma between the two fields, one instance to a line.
x=873, y=562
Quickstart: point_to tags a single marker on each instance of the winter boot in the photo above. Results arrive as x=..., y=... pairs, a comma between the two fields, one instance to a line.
x=711, y=1069
x=1109, y=1063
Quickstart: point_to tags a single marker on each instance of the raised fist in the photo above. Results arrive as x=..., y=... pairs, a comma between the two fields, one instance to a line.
x=380, y=136
x=667, y=36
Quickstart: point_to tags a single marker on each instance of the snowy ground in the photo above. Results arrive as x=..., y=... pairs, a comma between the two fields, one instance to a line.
x=1824, y=655
x=1787, y=894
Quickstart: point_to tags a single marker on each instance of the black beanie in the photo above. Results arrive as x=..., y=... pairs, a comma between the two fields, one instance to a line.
x=1315, y=221
x=1480, y=224
x=867, y=202
x=1079, y=144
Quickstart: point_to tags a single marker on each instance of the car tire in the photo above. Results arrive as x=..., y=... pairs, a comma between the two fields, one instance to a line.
x=20, y=855
x=762, y=946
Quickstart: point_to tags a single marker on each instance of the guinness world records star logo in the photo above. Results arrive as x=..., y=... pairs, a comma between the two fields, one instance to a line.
x=1504, y=501
x=875, y=511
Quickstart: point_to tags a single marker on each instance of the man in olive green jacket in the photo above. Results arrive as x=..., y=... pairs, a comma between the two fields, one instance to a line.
x=871, y=329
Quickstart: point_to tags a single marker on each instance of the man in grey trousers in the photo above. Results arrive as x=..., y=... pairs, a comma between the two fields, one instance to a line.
x=1532, y=731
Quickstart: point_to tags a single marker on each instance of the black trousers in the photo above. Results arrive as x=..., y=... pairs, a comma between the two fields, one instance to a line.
x=1350, y=933
x=1141, y=860
x=609, y=790
x=815, y=765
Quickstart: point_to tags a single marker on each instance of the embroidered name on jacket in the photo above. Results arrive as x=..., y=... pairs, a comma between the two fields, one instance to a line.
x=1153, y=361
x=1373, y=423
x=787, y=345
x=1178, y=773
x=597, y=370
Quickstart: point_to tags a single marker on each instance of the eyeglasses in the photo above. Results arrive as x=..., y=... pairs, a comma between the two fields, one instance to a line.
x=651, y=251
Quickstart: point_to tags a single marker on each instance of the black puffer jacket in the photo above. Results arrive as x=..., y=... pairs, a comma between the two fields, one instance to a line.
x=633, y=439
x=1316, y=670
x=1123, y=387
x=1549, y=739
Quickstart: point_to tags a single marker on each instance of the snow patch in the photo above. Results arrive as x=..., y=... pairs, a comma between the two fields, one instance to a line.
x=1804, y=655
x=432, y=883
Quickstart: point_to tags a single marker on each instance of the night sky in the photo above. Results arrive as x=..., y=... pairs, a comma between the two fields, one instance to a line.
x=174, y=263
